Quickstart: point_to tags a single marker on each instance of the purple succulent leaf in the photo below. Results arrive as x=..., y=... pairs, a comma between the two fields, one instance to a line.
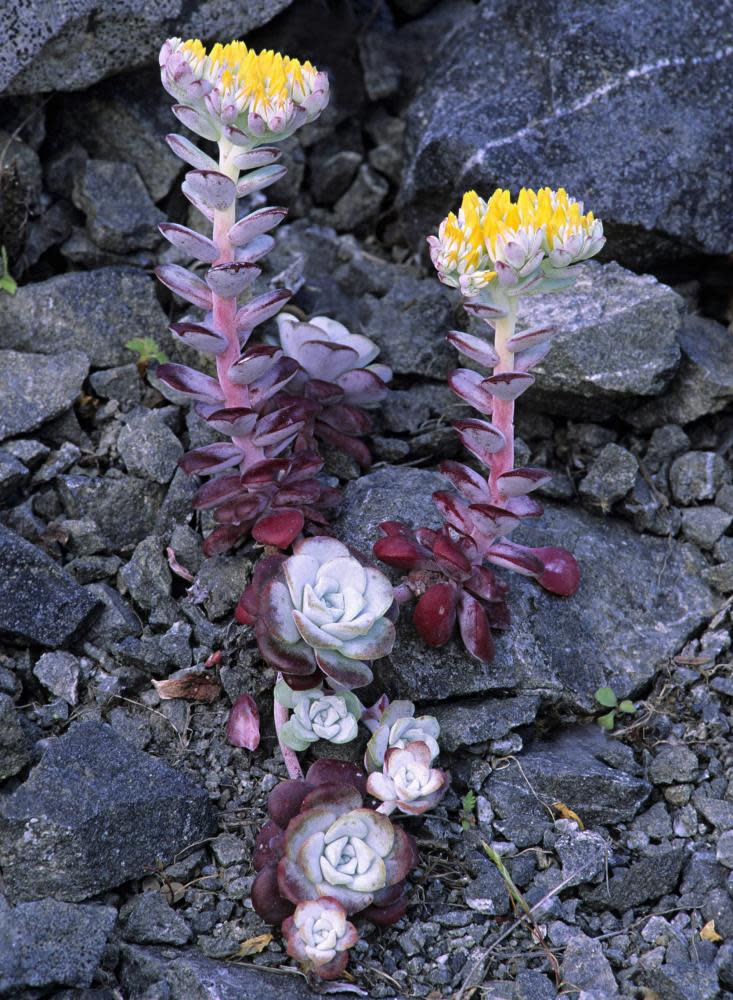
x=211, y=458
x=256, y=250
x=198, y=204
x=481, y=438
x=346, y=672
x=491, y=520
x=213, y=188
x=259, y=179
x=515, y=557
x=262, y=308
x=196, y=122
x=524, y=506
x=190, y=382
x=507, y=385
x=255, y=224
x=475, y=348
x=469, y=385
x=469, y=483
x=347, y=419
x=185, y=284
x=526, y=360
x=297, y=660
x=525, y=339
x=362, y=387
x=488, y=313
x=201, y=338
x=190, y=242
x=190, y=153
x=518, y=482
x=266, y=898
x=272, y=381
x=236, y=136
x=254, y=363
x=236, y=421
x=260, y=157
x=474, y=628
x=216, y=491
x=230, y=279
x=243, y=725
x=454, y=510
x=285, y=800
x=275, y=428
x=322, y=359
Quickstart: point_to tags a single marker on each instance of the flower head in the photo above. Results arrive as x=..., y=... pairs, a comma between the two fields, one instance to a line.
x=320, y=611
x=396, y=727
x=516, y=244
x=321, y=841
x=318, y=935
x=408, y=782
x=249, y=96
x=318, y=716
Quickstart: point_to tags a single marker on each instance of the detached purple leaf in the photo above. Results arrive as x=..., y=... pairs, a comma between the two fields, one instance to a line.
x=243, y=726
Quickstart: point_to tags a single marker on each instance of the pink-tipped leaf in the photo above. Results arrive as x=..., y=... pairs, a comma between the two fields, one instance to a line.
x=185, y=284
x=243, y=725
x=255, y=224
x=475, y=348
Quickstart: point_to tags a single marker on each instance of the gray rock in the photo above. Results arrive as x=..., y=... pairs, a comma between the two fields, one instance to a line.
x=720, y=577
x=113, y=35
x=119, y=211
x=94, y=813
x=672, y=765
x=563, y=118
x=639, y=600
x=724, y=964
x=47, y=943
x=683, y=981
x=28, y=451
x=724, y=851
x=229, y=849
x=653, y=875
x=463, y=723
x=157, y=655
x=705, y=525
x=189, y=975
x=146, y=575
x=149, y=448
x=59, y=674
x=14, y=749
x=703, y=383
x=696, y=476
x=35, y=388
x=585, y=966
x=333, y=175
x=12, y=475
x=409, y=323
x=665, y=444
x=122, y=383
x=718, y=907
x=116, y=621
x=82, y=537
x=650, y=511
x=125, y=120
x=605, y=356
x=123, y=508
x=361, y=203
x=152, y=921
x=222, y=579
x=717, y=812
x=611, y=476
x=96, y=312
x=39, y=601
x=583, y=855
x=531, y=985
x=570, y=769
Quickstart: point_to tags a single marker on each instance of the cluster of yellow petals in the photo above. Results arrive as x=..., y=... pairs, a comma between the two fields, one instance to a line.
x=257, y=76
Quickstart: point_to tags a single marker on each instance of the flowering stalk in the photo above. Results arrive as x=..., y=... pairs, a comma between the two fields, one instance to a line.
x=494, y=252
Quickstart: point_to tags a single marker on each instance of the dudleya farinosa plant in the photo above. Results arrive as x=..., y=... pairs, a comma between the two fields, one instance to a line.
x=264, y=481
x=494, y=252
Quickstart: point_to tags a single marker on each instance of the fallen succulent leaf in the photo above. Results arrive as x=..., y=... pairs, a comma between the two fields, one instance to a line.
x=567, y=813
x=708, y=933
x=195, y=685
x=174, y=564
x=243, y=727
x=254, y=945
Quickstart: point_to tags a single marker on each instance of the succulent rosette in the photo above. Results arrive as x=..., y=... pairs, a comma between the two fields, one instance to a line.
x=237, y=94
x=321, y=611
x=396, y=726
x=318, y=936
x=407, y=781
x=321, y=841
x=338, y=374
x=317, y=715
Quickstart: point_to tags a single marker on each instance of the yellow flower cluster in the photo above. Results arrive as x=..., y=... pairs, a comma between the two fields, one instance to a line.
x=510, y=240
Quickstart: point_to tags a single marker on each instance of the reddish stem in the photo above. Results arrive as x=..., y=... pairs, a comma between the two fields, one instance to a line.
x=280, y=714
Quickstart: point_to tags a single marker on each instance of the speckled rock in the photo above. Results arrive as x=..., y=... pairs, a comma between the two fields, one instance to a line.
x=35, y=388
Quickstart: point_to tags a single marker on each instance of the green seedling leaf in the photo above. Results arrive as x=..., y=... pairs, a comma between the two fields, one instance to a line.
x=468, y=802
x=606, y=721
x=7, y=281
x=146, y=349
x=628, y=707
x=606, y=697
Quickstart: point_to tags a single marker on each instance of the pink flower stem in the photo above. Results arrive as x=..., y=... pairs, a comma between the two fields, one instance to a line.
x=502, y=416
x=280, y=714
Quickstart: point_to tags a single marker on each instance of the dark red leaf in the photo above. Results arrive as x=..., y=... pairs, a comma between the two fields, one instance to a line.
x=475, y=630
x=266, y=898
x=222, y=539
x=285, y=800
x=450, y=558
x=399, y=551
x=352, y=446
x=279, y=529
x=561, y=574
x=435, y=613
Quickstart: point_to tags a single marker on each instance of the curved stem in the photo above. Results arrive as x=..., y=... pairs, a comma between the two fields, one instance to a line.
x=280, y=714
x=502, y=416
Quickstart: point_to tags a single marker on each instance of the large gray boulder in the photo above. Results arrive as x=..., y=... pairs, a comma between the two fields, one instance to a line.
x=617, y=102
x=35, y=388
x=96, y=812
x=96, y=312
x=639, y=600
x=47, y=943
x=72, y=44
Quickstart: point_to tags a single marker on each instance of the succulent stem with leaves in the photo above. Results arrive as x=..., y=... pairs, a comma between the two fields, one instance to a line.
x=494, y=252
